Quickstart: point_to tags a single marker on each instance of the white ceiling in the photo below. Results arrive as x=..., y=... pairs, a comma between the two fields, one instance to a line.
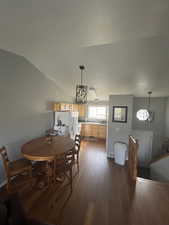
x=123, y=43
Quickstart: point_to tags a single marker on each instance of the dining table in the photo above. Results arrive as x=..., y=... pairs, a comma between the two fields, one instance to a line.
x=47, y=148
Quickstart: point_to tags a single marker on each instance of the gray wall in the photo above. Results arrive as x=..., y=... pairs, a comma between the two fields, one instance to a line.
x=118, y=131
x=158, y=106
x=26, y=96
x=160, y=169
x=167, y=118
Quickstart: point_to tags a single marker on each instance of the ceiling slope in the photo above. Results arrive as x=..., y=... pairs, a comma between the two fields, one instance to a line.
x=123, y=43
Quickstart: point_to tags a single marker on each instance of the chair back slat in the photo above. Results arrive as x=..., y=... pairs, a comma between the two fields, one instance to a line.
x=4, y=155
x=65, y=160
x=77, y=146
x=69, y=157
x=77, y=138
x=132, y=159
x=77, y=142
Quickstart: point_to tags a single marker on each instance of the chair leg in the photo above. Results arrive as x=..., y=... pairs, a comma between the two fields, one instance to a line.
x=54, y=171
x=78, y=161
x=48, y=175
x=8, y=186
x=71, y=179
x=31, y=177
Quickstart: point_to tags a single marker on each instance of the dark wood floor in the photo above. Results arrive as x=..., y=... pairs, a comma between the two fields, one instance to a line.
x=101, y=196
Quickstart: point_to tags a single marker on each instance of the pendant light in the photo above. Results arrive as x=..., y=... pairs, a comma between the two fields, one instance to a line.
x=149, y=99
x=81, y=90
x=151, y=114
x=146, y=114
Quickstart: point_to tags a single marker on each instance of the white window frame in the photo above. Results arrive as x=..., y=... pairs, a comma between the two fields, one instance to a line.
x=96, y=118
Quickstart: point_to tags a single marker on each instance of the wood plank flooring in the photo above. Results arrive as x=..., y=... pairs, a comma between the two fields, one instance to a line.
x=101, y=196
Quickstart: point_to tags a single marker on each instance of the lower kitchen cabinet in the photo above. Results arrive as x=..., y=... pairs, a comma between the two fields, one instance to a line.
x=93, y=130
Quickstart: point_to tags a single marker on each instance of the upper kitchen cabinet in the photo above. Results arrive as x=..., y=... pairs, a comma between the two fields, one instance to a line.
x=82, y=110
x=62, y=107
x=75, y=108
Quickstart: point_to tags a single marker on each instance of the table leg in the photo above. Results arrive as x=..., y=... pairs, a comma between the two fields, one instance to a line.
x=47, y=172
x=54, y=170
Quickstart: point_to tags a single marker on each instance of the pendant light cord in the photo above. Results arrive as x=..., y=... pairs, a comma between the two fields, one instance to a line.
x=82, y=67
x=81, y=76
x=149, y=93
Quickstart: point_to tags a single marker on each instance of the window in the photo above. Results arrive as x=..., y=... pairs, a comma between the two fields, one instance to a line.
x=97, y=112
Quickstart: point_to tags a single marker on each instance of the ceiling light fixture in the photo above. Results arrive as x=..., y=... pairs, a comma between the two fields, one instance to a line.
x=151, y=114
x=146, y=114
x=81, y=90
x=92, y=94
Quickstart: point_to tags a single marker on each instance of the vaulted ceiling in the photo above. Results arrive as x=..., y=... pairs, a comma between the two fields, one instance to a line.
x=124, y=44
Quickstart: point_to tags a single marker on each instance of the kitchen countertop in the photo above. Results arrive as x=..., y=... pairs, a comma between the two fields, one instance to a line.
x=93, y=123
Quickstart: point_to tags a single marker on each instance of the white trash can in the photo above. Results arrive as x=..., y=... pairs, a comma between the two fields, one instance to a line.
x=120, y=153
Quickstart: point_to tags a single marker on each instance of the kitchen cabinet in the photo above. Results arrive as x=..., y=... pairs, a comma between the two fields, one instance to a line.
x=102, y=132
x=75, y=107
x=93, y=130
x=61, y=107
x=82, y=110
x=69, y=107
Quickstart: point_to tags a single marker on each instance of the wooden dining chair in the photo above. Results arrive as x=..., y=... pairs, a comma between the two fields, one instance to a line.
x=77, y=152
x=63, y=166
x=77, y=149
x=43, y=171
x=77, y=138
x=133, y=159
x=14, y=168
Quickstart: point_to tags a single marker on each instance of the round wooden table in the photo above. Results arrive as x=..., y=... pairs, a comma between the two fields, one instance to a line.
x=44, y=149
x=47, y=149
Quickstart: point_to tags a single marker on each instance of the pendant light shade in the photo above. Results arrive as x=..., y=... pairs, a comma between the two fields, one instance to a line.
x=81, y=90
x=146, y=114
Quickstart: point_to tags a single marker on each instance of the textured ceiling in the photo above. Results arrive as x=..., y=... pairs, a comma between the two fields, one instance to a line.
x=123, y=43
